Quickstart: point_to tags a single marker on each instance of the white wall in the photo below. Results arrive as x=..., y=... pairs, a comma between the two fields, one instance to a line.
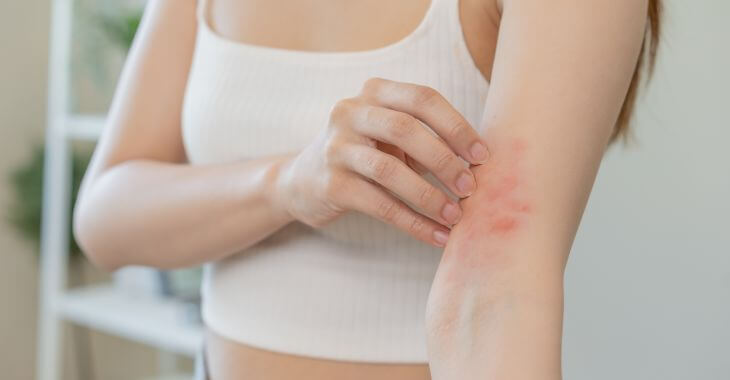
x=648, y=283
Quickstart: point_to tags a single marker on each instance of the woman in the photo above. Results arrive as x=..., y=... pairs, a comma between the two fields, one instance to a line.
x=383, y=190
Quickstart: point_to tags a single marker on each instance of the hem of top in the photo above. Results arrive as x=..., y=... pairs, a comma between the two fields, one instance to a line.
x=320, y=57
x=303, y=353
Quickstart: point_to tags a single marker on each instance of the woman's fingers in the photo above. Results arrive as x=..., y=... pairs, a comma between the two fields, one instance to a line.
x=401, y=155
x=429, y=106
x=410, y=135
x=394, y=175
x=373, y=200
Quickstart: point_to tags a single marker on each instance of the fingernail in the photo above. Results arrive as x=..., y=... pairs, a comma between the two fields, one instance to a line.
x=479, y=152
x=441, y=237
x=465, y=183
x=451, y=213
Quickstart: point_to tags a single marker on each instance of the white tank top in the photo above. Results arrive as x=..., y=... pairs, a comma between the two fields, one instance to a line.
x=356, y=289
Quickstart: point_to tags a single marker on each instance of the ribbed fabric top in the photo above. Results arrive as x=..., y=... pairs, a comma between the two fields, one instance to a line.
x=356, y=289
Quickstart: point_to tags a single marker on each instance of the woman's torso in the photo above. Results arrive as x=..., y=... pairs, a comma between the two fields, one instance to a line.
x=246, y=100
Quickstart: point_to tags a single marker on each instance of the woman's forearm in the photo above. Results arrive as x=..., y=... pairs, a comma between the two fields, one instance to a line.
x=168, y=215
x=496, y=304
x=498, y=326
x=496, y=308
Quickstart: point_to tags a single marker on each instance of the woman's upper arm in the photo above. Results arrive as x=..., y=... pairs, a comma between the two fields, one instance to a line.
x=145, y=115
x=561, y=72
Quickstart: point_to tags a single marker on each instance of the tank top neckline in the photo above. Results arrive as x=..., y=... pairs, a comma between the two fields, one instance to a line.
x=320, y=57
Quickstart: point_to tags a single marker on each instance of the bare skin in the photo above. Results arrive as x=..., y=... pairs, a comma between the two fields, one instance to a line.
x=495, y=309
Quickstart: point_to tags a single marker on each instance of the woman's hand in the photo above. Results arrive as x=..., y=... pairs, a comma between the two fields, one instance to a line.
x=366, y=152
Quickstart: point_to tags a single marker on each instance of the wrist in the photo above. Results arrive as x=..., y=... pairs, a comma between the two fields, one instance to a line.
x=512, y=338
x=275, y=188
x=472, y=296
x=461, y=298
x=476, y=333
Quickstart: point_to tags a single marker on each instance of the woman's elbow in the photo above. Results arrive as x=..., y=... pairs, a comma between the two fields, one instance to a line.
x=88, y=232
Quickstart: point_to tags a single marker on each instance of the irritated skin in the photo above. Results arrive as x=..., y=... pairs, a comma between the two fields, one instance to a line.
x=497, y=214
x=506, y=203
x=483, y=298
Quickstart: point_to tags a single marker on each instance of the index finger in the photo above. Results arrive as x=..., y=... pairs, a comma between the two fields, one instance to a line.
x=429, y=106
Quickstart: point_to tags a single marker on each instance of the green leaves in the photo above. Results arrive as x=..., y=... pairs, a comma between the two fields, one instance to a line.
x=26, y=182
x=121, y=29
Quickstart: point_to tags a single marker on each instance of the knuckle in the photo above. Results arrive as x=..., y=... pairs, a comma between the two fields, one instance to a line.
x=381, y=168
x=371, y=116
x=371, y=85
x=458, y=129
x=426, y=196
x=416, y=226
x=401, y=126
x=388, y=211
x=424, y=95
x=332, y=149
x=444, y=161
x=341, y=111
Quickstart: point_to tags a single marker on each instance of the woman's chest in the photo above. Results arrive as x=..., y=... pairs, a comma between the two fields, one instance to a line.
x=244, y=101
x=254, y=110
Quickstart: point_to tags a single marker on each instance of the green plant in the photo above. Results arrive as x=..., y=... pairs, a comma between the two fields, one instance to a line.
x=121, y=29
x=26, y=183
x=25, y=211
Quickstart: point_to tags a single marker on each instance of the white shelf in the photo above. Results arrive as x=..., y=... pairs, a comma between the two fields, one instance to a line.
x=158, y=322
x=84, y=127
x=161, y=323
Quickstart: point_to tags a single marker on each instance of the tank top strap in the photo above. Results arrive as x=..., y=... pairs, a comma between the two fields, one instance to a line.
x=443, y=20
x=435, y=8
x=201, y=9
x=446, y=26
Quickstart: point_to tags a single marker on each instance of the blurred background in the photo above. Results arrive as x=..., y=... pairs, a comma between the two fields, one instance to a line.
x=648, y=282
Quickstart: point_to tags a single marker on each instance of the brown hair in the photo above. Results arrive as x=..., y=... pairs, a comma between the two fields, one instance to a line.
x=647, y=58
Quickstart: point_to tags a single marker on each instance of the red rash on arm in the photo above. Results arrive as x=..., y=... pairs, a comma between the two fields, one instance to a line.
x=495, y=215
x=496, y=219
x=501, y=195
